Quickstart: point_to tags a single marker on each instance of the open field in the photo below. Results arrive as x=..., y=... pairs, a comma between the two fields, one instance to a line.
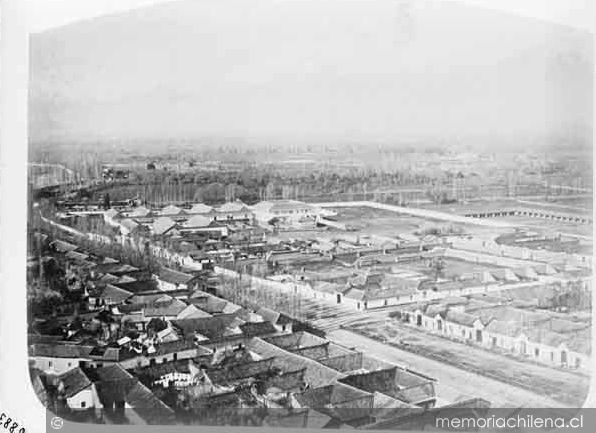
x=380, y=222
x=568, y=245
x=544, y=225
x=453, y=267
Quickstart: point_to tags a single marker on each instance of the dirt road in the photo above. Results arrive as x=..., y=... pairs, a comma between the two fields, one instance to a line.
x=453, y=383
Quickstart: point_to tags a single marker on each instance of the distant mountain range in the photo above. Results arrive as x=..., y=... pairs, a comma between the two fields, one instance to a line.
x=346, y=69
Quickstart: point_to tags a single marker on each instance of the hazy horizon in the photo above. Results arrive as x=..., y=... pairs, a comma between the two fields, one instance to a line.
x=349, y=71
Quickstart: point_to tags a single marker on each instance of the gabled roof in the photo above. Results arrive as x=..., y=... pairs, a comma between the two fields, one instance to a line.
x=129, y=224
x=398, y=383
x=138, y=286
x=59, y=350
x=74, y=381
x=174, y=308
x=115, y=294
x=148, y=406
x=162, y=225
x=509, y=329
x=114, y=268
x=213, y=328
x=172, y=210
x=200, y=208
x=112, y=213
x=198, y=221
x=173, y=347
x=281, y=206
x=236, y=206
x=192, y=312
x=273, y=317
x=327, y=287
x=355, y=294
x=257, y=329
x=140, y=212
x=461, y=318
x=174, y=277
x=63, y=247
x=76, y=256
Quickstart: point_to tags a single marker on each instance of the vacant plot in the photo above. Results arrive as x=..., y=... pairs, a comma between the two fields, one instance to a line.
x=565, y=244
x=546, y=225
x=453, y=267
x=380, y=222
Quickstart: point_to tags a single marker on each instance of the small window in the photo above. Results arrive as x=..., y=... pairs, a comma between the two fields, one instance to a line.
x=83, y=404
x=49, y=363
x=69, y=364
x=536, y=352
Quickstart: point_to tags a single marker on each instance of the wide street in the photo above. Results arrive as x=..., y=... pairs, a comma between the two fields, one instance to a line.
x=453, y=383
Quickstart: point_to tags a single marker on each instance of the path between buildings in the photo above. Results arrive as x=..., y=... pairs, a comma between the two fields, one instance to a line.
x=453, y=383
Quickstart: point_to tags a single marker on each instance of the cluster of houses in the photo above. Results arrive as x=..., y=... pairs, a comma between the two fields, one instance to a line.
x=508, y=322
x=142, y=336
x=201, y=218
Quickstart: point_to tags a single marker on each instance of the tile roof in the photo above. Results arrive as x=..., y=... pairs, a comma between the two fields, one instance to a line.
x=150, y=408
x=172, y=210
x=117, y=269
x=198, y=221
x=214, y=328
x=173, y=308
x=76, y=256
x=130, y=224
x=114, y=294
x=174, y=277
x=395, y=382
x=74, y=381
x=112, y=213
x=200, y=208
x=139, y=286
x=140, y=211
x=192, y=312
x=63, y=246
x=499, y=327
x=59, y=350
x=236, y=206
x=316, y=374
x=461, y=318
x=274, y=317
x=173, y=347
x=162, y=225
x=257, y=329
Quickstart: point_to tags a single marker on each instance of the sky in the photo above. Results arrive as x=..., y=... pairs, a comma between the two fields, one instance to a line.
x=320, y=69
x=45, y=14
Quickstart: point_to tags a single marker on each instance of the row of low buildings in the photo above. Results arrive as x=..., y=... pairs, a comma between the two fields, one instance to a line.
x=388, y=282
x=171, y=220
x=500, y=322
